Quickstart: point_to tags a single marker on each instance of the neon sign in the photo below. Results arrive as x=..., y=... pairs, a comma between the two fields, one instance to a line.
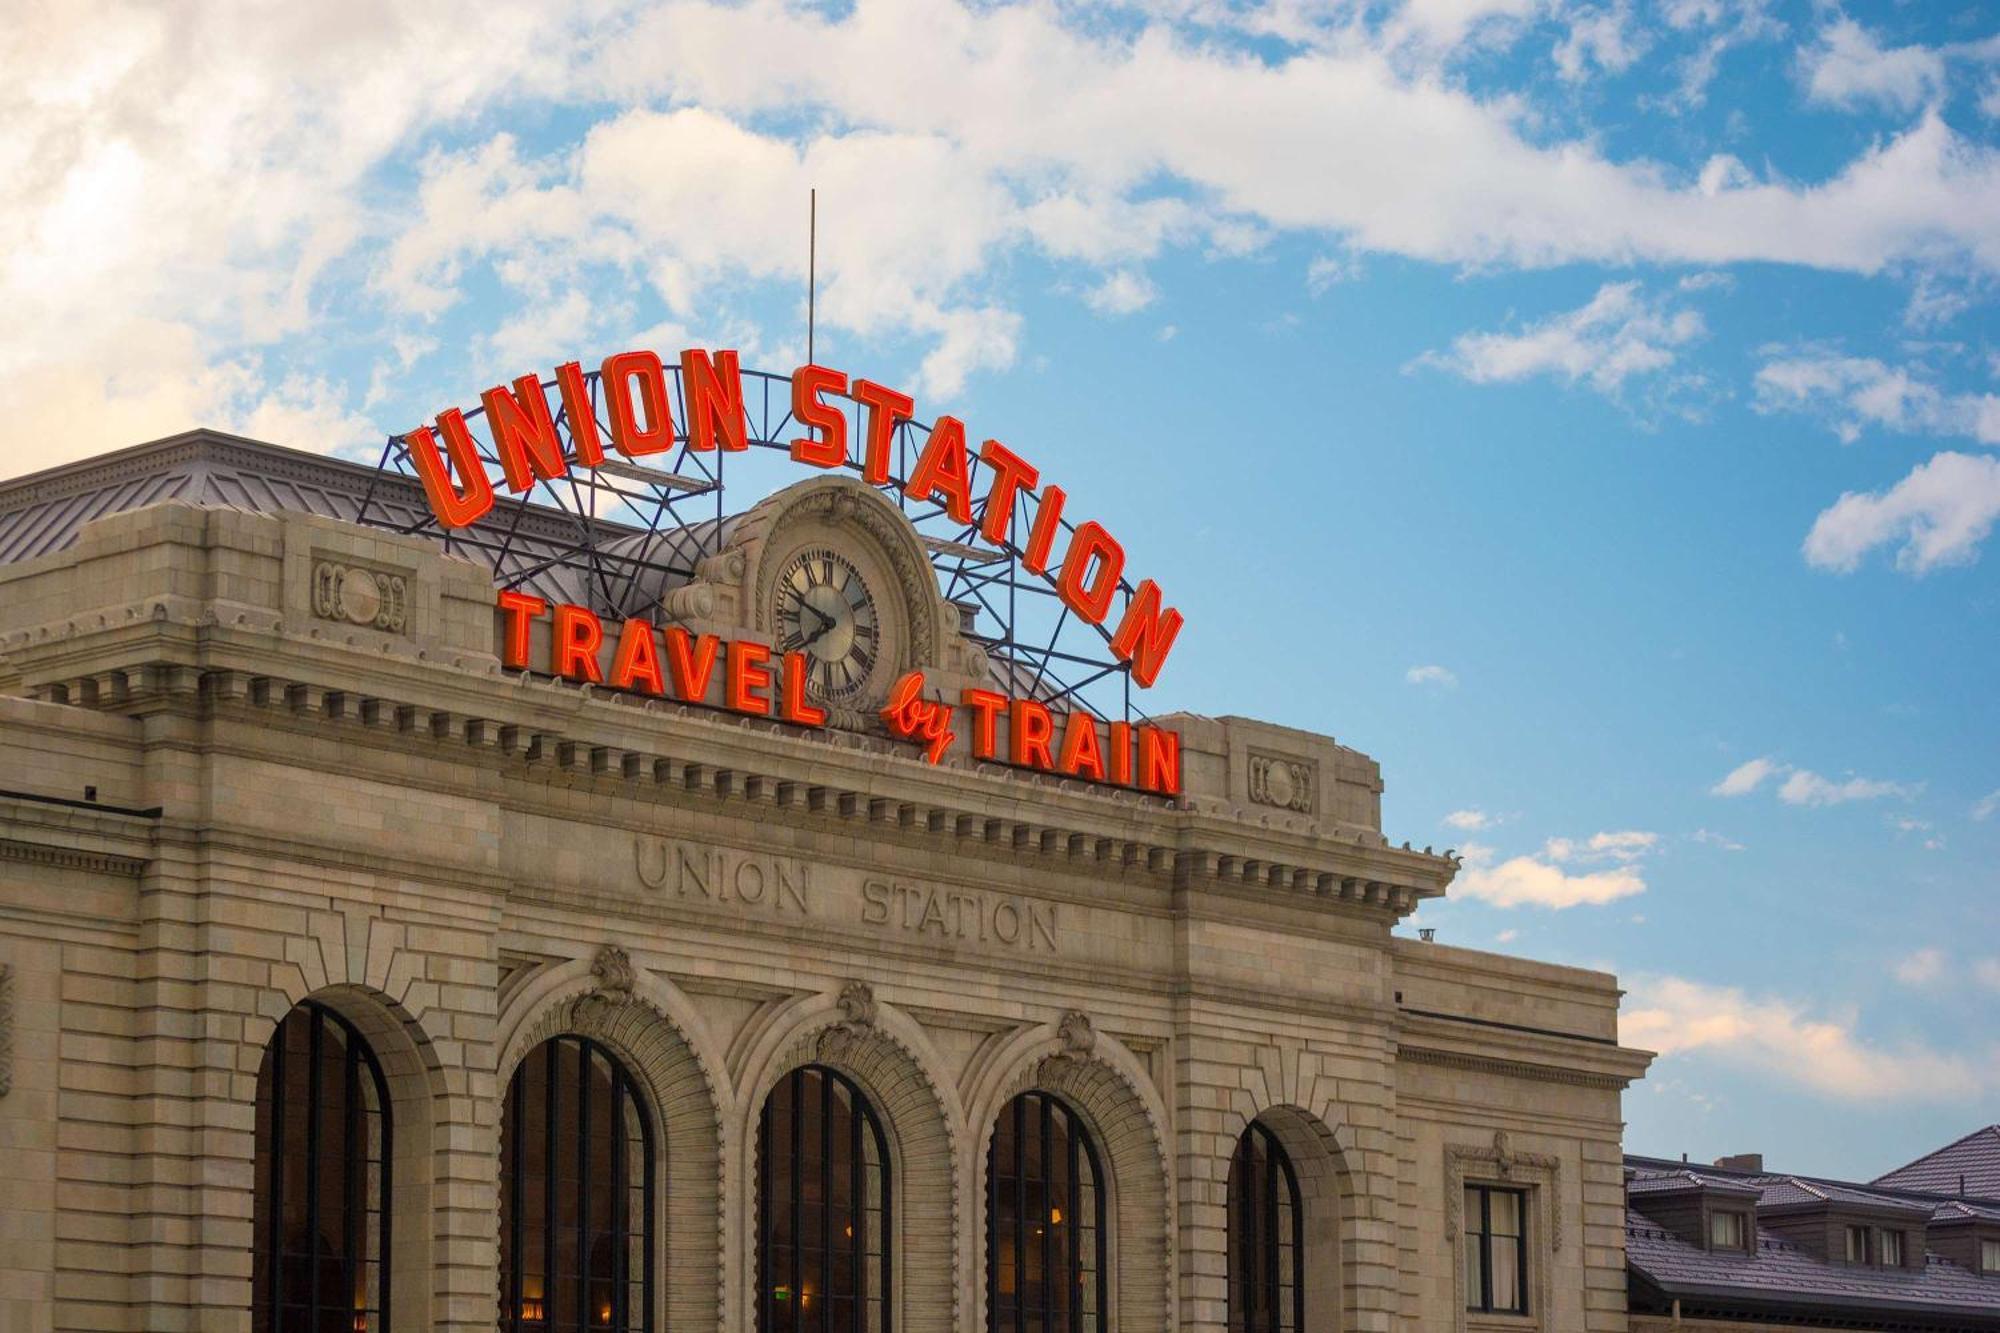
x=640, y=421
x=742, y=676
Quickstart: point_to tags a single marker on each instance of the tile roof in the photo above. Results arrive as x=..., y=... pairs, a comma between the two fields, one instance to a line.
x=1689, y=1178
x=1795, y=1191
x=1779, y=1274
x=1975, y=1159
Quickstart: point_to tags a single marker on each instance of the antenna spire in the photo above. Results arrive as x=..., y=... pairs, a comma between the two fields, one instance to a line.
x=812, y=267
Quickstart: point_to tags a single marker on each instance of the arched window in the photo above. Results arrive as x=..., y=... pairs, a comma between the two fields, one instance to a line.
x=1045, y=1236
x=321, y=1209
x=1266, y=1238
x=822, y=1208
x=576, y=1194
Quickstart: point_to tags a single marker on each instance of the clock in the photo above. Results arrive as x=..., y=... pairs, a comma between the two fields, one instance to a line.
x=824, y=609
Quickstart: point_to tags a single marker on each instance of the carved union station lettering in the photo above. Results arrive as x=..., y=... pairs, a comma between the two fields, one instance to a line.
x=717, y=875
x=958, y=914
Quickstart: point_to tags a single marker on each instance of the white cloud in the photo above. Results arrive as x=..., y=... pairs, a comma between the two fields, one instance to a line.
x=1853, y=393
x=1627, y=845
x=268, y=161
x=1986, y=971
x=1597, y=37
x=1619, y=333
x=1745, y=778
x=1710, y=838
x=1507, y=936
x=1805, y=787
x=1847, y=67
x=1985, y=806
x=1121, y=293
x=1781, y=1039
x=1470, y=821
x=1527, y=881
x=1939, y=514
x=1802, y=786
x=1921, y=968
x=1443, y=677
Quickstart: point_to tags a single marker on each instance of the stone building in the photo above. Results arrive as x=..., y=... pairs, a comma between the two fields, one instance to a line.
x=350, y=978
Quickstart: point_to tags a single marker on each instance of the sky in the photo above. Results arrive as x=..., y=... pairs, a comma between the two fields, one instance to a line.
x=1589, y=409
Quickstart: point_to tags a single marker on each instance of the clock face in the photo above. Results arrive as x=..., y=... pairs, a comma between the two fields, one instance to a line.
x=823, y=608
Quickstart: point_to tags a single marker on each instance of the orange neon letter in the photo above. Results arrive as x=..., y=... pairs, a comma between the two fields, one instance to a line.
x=1012, y=475
x=519, y=609
x=1042, y=537
x=691, y=660
x=637, y=664
x=796, y=708
x=1081, y=755
x=469, y=501
x=886, y=408
x=524, y=434
x=578, y=634
x=1032, y=727
x=1160, y=760
x=827, y=448
x=582, y=416
x=1091, y=600
x=1146, y=634
x=713, y=393
x=986, y=708
x=656, y=435
x=745, y=672
x=943, y=467
x=1121, y=753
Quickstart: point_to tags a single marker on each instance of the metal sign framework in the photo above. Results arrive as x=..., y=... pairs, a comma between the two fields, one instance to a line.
x=600, y=530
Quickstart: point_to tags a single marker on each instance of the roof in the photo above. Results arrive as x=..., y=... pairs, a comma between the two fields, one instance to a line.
x=1801, y=1191
x=43, y=512
x=1689, y=1178
x=1969, y=1166
x=1779, y=1275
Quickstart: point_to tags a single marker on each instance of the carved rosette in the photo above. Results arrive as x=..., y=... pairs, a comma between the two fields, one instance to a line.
x=1289, y=784
x=372, y=598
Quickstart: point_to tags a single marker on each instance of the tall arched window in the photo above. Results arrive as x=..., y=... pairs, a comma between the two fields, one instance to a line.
x=822, y=1208
x=576, y=1194
x=1267, y=1290
x=1045, y=1235
x=321, y=1208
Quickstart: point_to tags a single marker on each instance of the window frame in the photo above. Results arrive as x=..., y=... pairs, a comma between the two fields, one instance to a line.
x=1083, y=1153
x=866, y=1121
x=268, y=1241
x=624, y=1088
x=1739, y=1219
x=1481, y=1231
x=1887, y=1239
x=1267, y=1256
x=1989, y=1254
x=1859, y=1238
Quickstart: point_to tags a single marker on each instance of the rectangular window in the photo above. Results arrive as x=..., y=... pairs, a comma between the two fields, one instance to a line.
x=1857, y=1245
x=1725, y=1231
x=1989, y=1256
x=1496, y=1250
x=1891, y=1250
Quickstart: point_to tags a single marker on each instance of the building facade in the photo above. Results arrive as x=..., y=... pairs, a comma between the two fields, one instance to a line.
x=1734, y=1248
x=352, y=978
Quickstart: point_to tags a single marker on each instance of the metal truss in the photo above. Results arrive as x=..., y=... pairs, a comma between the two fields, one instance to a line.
x=612, y=536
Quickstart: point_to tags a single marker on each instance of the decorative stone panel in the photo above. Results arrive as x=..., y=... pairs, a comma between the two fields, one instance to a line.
x=1289, y=784
x=357, y=595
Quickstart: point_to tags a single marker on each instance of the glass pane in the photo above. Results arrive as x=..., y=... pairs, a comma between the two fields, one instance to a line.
x=1506, y=1212
x=1475, y=1271
x=1506, y=1273
x=1475, y=1204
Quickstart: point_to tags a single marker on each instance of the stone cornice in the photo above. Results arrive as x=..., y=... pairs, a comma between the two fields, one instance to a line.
x=573, y=736
x=70, y=858
x=1518, y=1068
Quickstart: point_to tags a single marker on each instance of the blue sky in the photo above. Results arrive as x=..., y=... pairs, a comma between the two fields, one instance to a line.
x=1588, y=409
